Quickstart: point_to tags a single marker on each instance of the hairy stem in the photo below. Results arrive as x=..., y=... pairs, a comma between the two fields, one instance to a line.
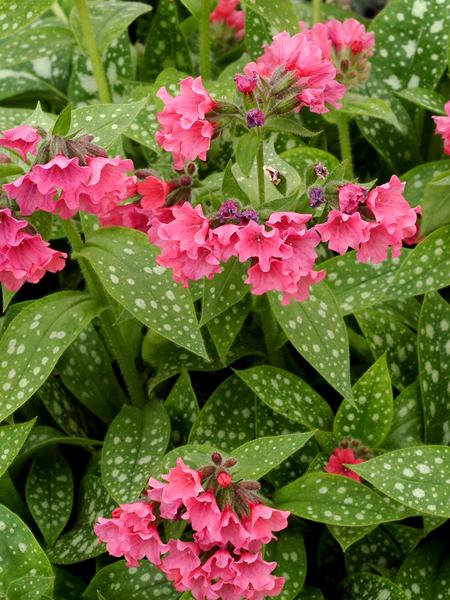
x=344, y=142
x=204, y=42
x=110, y=331
x=94, y=55
x=316, y=11
x=261, y=176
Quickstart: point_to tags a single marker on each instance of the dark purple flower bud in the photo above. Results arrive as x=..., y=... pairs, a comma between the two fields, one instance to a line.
x=321, y=171
x=316, y=197
x=216, y=458
x=255, y=118
x=245, y=84
x=228, y=210
x=248, y=215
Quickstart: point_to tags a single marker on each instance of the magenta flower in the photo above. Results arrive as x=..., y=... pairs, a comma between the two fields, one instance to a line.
x=443, y=127
x=22, y=139
x=351, y=196
x=154, y=192
x=343, y=231
x=261, y=523
x=225, y=12
x=340, y=458
x=257, y=242
x=245, y=84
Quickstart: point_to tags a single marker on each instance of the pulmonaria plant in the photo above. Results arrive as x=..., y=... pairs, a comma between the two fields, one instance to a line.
x=220, y=553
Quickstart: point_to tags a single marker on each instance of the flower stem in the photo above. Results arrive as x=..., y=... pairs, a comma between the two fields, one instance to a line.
x=260, y=170
x=204, y=42
x=91, y=45
x=316, y=11
x=344, y=141
x=111, y=333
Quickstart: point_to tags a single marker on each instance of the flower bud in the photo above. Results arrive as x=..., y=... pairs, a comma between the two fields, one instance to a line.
x=230, y=462
x=321, y=171
x=245, y=84
x=255, y=118
x=224, y=479
x=316, y=197
x=216, y=458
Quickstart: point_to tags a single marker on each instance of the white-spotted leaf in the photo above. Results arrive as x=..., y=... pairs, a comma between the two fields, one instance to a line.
x=279, y=14
x=366, y=586
x=407, y=423
x=135, y=441
x=225, y=290
x=417, y=179
x=12, y=438
x=225, y=328
x=347, y=536
x=34, y=341
x=289, y=554
x=30, y=587
x=182, y=407
x=17, y=15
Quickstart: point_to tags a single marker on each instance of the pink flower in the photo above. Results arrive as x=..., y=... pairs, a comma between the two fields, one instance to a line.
x=132, y=533
x=225, y=12
x=125, y=215
x=22, y=139
x=189, y=228
x=302, y=287
x=203, y=513
x=154, y=192
x=256, y=242
x=228, y=529
x=343, y=231
x=25, y=192
x=179, y=564
x=245, y=84
x=314, y=72
x=443, y=127
x=261, y=523
x=376, y=248
x=254, y=575
x=185, y=132
x=350, y=197
x=338, y=460
x=224, y=240
x=389, y=205
x=350, y=34
x=9, y=229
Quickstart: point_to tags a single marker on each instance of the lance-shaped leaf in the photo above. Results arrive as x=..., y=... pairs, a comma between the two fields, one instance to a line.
x=30, y=587
x=182, y=407
x=407, y=423
x=225, y=290
x=125, y=262
x=317, y=331
x=377, y=550
x=117, y=582
x=428, y=99
x=136, y=440
x=34, y=341
x=225, y=328
x=20, y=552
x=416, y=477
x=337, y=500
x=417, y=179
x=49, y=493
x=289, y=554
x=17, y=15
x=280, y=14
x=303, y=157
x=434, y=367
x=194, y=455
x=81, y=543
x=366, y=586
x=369, y=418
x=346, y=536
x=256, y=33
x=435, y=204
x=12, y=438
x=258, y=457
x=288, y=395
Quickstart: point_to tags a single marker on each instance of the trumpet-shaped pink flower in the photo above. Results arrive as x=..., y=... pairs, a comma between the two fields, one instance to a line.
x=125, y=215
x=351, y=196
x=22, y=139
x=224, y=239
x=350, y=34
x=25, y=192
x=185, y=131
x=343, y=231
x=203, y=513
x=261, y=523
x=314, y=71
x=388, y=204
x=376, y=248
x=257, y=242
x=179, y=564
x=443, y=127
x=132, y=533
x=338, y=460
x=255, y=575
x=225, y=12
x=10, y=228
x=154, y=192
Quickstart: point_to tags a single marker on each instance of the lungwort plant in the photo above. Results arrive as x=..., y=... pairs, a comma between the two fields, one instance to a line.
x=224, y=260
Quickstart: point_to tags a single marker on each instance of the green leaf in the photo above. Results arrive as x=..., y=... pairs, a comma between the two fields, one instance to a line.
x=136, y=440
x=62, y=123
x=365, y=586
x=280, y=14
x=303, y=157
x=49, y=493
x=376, y=552
x=20, y=552
x=416, y=477
x=407, y=424
x=34, y=341
x=94, y=502
x=434, y=352
x=337, y=500
x=125, y=262
x=182, y=407
x=106, y=122
x=194, y=455
x=30, y=587
x=85, y=369
x=193, y=6
x=166, y=45
x=67, y=586
x=310, y=593
x=246, y=150
x=288, y=395
x=289, y=125
x=256, y=34
x=12, y=438
x=421, y=574
x=227, y=418
x=428, y=99
x=17, y=15
x=357, y=105
x=109, y=19
x=225, y=290
x=224, y=328
x=317, y=331
x=358, y=285
x=117, y=582
x=347, y=536
x=435, y=204
x=257, y=457
x=369, y=418
x=290, y=555
x=418, y=178
x=426, y=268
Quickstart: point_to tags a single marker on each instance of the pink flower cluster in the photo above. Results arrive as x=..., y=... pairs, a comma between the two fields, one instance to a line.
x=185, y=130
x=23, y=139
x=282, y=251
x=371, y=223
x=314, y=73
x=225, y=12
x=224, y=558
x=340, y=458
x=348, y=45
x=24, y=256
x=443, y=127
